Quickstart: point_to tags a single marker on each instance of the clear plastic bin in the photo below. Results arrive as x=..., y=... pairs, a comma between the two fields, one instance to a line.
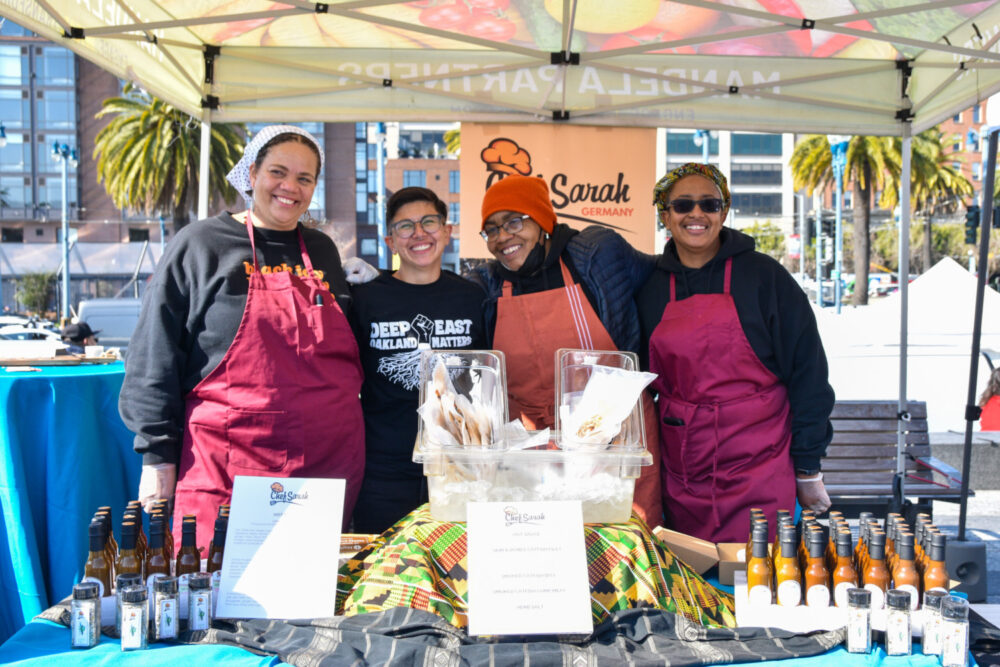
x=603, y=481
x=574, y=369
x=478, y=375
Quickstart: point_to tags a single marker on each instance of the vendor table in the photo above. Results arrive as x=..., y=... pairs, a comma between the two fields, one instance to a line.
x=64, y=451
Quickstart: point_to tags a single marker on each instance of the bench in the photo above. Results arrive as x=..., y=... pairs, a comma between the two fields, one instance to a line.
x=859, y=468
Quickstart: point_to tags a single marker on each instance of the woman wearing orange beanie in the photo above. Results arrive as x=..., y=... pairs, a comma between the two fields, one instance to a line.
x=554, y=287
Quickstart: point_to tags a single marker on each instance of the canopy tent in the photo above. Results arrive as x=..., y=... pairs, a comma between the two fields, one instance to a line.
x=843, y=66
x=877, y=67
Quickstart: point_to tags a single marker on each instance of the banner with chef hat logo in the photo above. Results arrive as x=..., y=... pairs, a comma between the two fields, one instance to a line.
x=596, y=176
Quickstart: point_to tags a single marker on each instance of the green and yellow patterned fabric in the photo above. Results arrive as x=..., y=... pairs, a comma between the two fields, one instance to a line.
x=421, y=563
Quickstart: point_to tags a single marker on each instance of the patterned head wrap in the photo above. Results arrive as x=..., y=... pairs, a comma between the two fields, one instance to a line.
x=662, y=187
x=239, y=175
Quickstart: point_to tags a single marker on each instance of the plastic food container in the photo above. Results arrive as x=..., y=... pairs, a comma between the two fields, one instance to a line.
x=603, y=479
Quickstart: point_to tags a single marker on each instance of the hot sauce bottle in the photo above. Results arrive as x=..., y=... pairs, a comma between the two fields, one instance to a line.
x=875, y=576
x=936, y=574
x=817, y=577
x=905, y=576
x=759, y=568
x=845, y=577
x=98, y=568
x=784, y=520
x=787, y=574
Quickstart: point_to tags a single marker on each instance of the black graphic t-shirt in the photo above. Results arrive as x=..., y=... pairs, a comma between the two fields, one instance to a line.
x=392, y=319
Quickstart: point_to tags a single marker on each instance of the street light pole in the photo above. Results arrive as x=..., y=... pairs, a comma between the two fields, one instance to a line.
x=703, y=139
x=838, y=147
x=64, y=154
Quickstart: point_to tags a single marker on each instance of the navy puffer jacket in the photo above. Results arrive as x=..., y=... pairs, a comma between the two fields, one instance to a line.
x=610, y=270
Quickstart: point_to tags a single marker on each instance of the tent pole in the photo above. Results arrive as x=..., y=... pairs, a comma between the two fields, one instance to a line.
x=206, y=147
x=971, y=409
x=902, y=410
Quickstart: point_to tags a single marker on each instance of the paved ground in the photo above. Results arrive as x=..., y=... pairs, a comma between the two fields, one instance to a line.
x=982, y=524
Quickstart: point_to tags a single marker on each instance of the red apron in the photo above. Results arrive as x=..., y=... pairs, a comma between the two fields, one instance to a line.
x=283, y=401
x=529, y=330
x=725, y=425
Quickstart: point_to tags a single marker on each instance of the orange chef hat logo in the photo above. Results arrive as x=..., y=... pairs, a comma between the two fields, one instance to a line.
x=504, y=156
x=277, y=487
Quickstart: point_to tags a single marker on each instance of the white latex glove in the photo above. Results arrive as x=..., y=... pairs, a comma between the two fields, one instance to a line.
x=357, y=271
x=156, y=482
x=812, y=493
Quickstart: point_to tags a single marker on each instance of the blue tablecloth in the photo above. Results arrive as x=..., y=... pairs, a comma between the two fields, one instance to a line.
x=64, y=451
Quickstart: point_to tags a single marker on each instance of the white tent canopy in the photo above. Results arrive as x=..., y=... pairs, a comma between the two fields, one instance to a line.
x=843, y=66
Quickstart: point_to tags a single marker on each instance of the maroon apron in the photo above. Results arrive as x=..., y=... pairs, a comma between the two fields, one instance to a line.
x=530, y=329
x=283, y=401
x=725, y=424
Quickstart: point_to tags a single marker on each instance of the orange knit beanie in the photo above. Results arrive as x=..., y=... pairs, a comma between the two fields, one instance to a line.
x=522, y=194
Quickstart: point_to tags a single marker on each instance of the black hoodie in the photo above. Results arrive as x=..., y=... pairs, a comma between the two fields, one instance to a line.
x=778, y=322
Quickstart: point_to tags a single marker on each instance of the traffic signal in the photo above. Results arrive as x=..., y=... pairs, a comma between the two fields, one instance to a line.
x=971, y=224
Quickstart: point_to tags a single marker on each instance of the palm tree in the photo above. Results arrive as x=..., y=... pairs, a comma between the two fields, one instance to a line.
x=868, y=161
x=148, y=155
x=935, y=184
x=453, y=141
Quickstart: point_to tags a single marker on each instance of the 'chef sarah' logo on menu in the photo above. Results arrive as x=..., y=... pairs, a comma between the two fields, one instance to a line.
x=503, y=156
x=513, y=516
x=279, y=495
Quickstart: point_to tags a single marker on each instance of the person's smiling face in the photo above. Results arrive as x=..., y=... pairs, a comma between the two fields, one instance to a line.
x=283, y=185
x=423, y=249
x=511, y=249
x=696, y=233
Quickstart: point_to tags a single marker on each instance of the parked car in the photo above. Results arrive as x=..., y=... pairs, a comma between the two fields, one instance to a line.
x=21, y=332
x=114, y=319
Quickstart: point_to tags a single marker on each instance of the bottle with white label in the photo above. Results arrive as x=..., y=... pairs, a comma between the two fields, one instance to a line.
x=816, y=576
x=845, y=577
x=898, y=636
x=85, y=615
x=875, y=576
x=931, y=640
x=759, y=568
x=859, y=620
x=904, y=575
x=135, y=618
x=200, y=601
x=935, y=573
x=788, y=576
x=954, y=632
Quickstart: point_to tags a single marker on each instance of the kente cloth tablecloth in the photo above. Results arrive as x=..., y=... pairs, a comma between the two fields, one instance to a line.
x=421, y=563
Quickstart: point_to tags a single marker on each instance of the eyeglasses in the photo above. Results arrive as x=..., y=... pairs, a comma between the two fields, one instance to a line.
x=404, y=229
x=711, y=205
x=511, y=226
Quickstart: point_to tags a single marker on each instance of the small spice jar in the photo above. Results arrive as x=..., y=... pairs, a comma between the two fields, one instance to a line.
x=200, y=601
x=898, y=637
x=166, y=608
x=85, y=615
x=931, y=641
x=859, y=620
x=135, y=618
x=954, y=632
x=123, y=581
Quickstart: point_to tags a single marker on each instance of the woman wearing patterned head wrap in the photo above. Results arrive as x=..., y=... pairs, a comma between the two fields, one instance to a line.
x=743, y=394
x=243, y=361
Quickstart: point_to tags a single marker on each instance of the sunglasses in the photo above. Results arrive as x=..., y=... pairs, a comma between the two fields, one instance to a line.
x=404, y=229
x=711, y=205
x=511, y=226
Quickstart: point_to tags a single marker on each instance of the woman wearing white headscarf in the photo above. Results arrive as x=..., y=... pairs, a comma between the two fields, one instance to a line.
x=243, y=361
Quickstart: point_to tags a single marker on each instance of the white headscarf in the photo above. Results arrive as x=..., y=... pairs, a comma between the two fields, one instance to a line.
x=239, y=176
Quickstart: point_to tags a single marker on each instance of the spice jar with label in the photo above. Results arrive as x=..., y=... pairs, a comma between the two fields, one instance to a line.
x=898, y=636
x=166, y=615
x=135, y=618
x=931, y=641
x=954, y=632
x=123, y=581
x=859, y=620
x=85, y=615
x=200, y=601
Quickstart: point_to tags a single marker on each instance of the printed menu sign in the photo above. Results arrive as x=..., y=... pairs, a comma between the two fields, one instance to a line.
x=527, y=569
x=281, y=548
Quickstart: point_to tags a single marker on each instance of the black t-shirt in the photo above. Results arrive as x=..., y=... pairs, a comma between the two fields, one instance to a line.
x=391, y=319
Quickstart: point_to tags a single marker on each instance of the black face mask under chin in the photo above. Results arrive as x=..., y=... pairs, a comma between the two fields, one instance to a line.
x=533, y=261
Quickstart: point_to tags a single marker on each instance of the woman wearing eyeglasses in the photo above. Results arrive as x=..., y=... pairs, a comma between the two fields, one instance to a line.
x=555, y=287
x=417, y=306
x=743, y=393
